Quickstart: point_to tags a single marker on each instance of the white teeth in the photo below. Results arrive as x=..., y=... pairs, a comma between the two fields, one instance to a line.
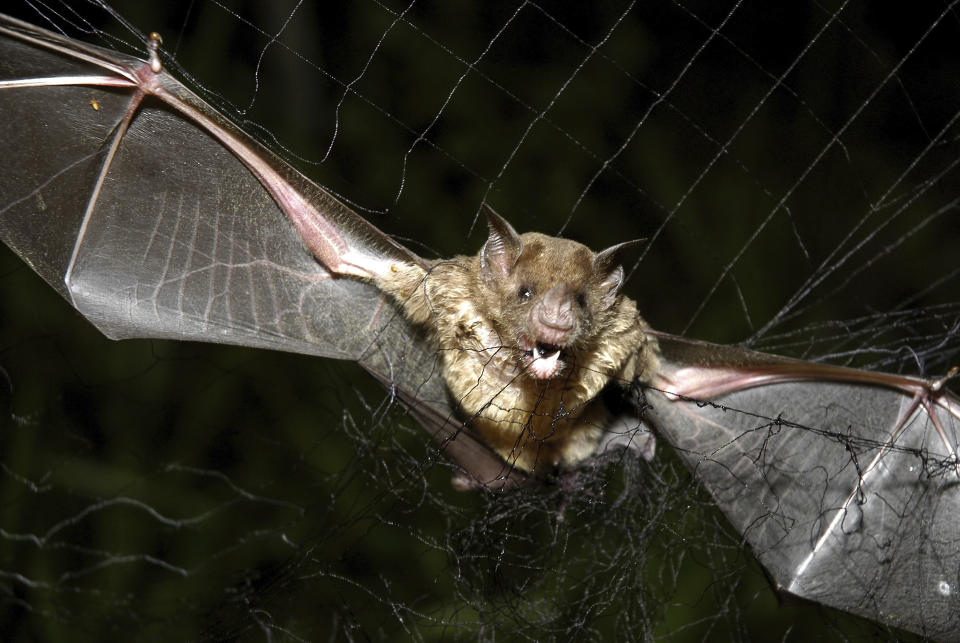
x=544, y=366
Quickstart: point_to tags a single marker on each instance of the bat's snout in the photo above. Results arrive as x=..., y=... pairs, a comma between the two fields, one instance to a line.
x=553, y=318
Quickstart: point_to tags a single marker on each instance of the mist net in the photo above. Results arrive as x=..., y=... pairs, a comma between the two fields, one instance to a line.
x=792, y=165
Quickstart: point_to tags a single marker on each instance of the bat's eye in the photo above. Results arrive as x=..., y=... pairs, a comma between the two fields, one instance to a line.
x=581, y=300
x=524, y=293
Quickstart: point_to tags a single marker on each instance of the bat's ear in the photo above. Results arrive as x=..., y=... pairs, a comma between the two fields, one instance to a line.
x=608, y=266
x=502, y=249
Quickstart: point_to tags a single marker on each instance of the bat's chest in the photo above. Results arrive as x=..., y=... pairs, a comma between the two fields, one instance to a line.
x=483, y=368
x=526, y=420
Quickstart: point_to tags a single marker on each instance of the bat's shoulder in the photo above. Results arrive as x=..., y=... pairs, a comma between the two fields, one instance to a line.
x=629, y=348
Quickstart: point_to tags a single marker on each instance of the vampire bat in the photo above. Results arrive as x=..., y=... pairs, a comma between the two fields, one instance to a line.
x=820, y=468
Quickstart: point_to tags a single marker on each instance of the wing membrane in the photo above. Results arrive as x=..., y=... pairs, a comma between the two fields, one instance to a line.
x=844, y=482
x=157, y=217
x=168, y=233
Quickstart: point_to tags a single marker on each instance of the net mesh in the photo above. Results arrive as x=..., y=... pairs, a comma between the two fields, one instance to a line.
x=793, y=167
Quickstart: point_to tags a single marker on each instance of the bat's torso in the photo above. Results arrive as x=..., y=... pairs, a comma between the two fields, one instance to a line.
x=534, y=424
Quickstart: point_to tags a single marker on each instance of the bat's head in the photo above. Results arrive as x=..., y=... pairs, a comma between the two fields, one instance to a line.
x=553, y=297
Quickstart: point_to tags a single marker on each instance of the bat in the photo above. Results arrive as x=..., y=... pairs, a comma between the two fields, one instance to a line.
x=530, y=330
x=330, y=272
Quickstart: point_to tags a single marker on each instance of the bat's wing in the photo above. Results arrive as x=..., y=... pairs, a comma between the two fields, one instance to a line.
x=156, y=217
x=150, y=225
x=844, y=482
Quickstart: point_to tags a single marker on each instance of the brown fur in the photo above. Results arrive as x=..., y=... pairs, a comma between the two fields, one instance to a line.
x=534, y=424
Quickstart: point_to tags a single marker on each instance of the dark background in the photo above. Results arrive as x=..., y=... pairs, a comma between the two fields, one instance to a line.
x=790, y=163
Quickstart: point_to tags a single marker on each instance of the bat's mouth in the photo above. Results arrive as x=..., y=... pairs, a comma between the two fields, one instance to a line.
x=543, y=360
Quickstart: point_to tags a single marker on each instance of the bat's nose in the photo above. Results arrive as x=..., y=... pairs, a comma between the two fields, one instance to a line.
x=555, y=310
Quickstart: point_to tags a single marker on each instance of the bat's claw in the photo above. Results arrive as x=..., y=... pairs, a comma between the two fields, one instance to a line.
x=153, y=46
x=936, y=385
